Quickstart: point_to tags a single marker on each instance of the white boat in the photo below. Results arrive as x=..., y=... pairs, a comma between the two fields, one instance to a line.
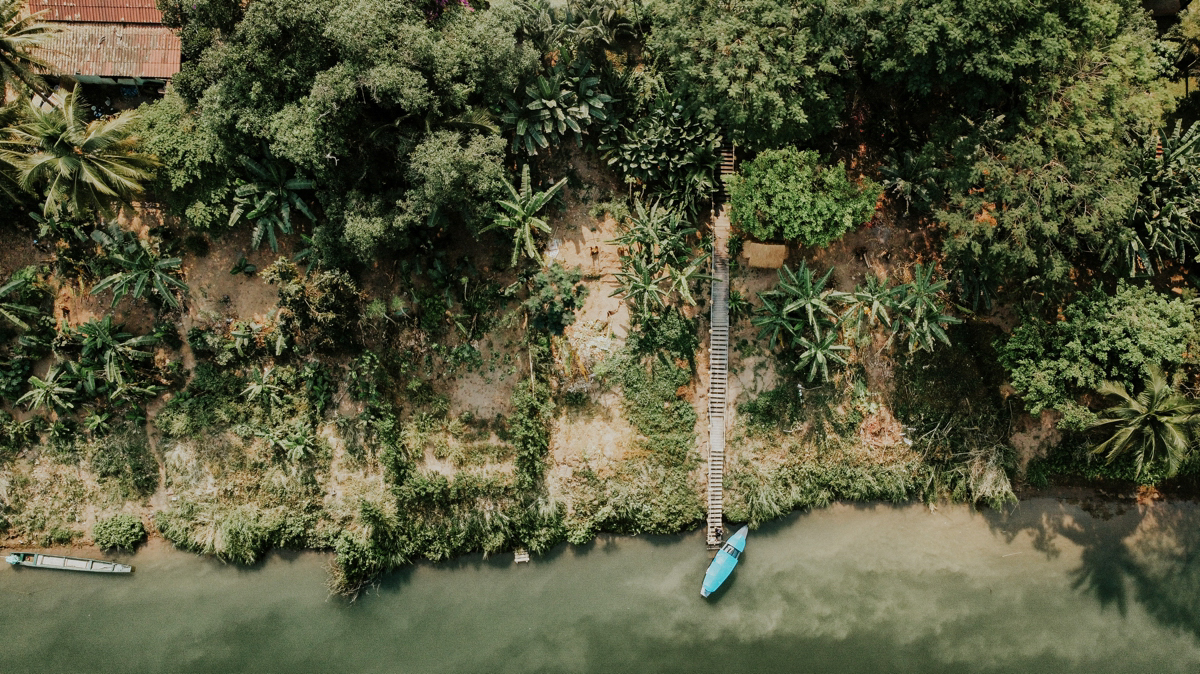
x=66, y=563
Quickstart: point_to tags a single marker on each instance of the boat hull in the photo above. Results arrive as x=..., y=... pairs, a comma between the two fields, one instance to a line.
x=63, y=563
x=723, y=564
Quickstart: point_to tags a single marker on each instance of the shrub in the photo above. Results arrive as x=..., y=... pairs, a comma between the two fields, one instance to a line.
x=529, y=430
x=1102, y=338
x=315, y=309
x=126, y=459
x=788, y=194
x=122, y=531
x=555, y=294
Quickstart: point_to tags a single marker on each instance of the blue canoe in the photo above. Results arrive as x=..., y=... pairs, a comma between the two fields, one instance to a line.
x=722, y=565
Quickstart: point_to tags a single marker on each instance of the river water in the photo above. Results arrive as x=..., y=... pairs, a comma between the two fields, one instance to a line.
x=876, y=588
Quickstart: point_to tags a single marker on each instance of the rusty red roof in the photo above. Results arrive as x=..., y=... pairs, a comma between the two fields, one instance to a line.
x=113, y=50
x=98, y=11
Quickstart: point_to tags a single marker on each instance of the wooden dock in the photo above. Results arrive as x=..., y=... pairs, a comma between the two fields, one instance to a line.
x=718, y=366
x=521, y=556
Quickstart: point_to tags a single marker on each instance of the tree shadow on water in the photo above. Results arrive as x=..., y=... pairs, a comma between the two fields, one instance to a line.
x=1149, y=554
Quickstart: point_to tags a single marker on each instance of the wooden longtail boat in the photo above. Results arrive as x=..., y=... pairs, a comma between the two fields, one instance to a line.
x=722, y=565
x=41, y=561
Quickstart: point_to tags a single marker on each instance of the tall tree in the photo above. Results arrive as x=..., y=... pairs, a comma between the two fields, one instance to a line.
x=83, y=167
x=21, y=35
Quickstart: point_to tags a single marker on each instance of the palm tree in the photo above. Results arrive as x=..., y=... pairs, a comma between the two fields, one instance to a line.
x=20, y=36
x=47, y=393
x=82, y=166
x=520, y=216
x=269, y=200
x=142, y=272
x=1156, y=425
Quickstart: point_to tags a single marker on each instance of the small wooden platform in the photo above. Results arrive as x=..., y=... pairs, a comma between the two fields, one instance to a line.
x=521, y=556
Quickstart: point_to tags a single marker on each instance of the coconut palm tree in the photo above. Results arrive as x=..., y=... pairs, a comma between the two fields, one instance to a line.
x=83, y=167
x=520, y=216
x=20, y=36
x=1156, y=425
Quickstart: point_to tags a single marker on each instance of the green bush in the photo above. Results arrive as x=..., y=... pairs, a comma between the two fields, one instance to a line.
x=529, y=430
x=555, y=294
x=787, y=194
x=126, y=459
x=122, y=531
x=1102, y=338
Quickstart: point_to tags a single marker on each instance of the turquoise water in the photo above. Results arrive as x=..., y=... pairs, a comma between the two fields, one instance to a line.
x=1049, y=588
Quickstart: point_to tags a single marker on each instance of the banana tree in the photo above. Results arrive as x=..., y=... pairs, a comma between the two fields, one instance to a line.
x=142, y=272
x=11, y=311
x=868, y=306
x=773, y=321
x=919, y=317
x=108, y=345
x=48, y=393
x=642, y=286
x=819, y=353
x=268, y=201
x=798, y=299
x=520, y=216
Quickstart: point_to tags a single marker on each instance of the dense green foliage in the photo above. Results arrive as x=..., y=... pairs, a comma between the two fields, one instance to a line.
x=786, y=194
x=1157, y=426
x=407, y=162
x=372, y=104
x=121, y=532
x=555, y=294
x=1101, y=338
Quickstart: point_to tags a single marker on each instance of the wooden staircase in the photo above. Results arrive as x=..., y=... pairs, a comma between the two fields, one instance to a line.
x=718, y=366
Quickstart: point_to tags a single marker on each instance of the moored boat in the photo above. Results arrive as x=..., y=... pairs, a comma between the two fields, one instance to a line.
x=722, y=565
x=37, y=559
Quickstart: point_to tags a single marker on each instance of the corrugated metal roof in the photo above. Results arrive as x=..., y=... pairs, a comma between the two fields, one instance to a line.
x=114, y=50
x=98, y=11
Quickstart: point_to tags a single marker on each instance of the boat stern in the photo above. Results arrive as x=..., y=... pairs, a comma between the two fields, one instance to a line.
x=704, y=592
x=13, y=559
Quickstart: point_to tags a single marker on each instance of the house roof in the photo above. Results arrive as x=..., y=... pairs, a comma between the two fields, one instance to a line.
x=113, y=50
x=98, y=11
